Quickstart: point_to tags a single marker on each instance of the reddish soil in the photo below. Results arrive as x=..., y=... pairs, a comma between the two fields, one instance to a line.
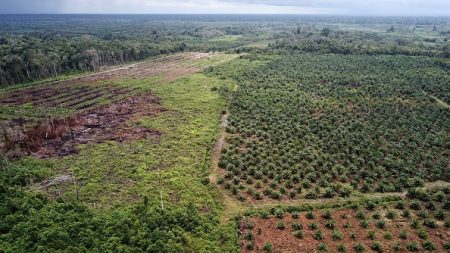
x=283, y=240
x=60, y=137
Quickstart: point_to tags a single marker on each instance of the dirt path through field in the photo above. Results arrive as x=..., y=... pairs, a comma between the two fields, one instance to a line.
x=218, y=148
x=231, y=205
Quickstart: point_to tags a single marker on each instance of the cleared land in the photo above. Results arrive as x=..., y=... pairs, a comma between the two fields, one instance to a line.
x=165, y=172
x=393, y=225
x=99, y=107
x=113, y=122
x=174, y=163
x=75, y=91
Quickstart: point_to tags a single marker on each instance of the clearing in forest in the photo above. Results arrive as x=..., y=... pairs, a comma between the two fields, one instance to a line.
x=90, y=109
x=154, y=140
x=60, y=137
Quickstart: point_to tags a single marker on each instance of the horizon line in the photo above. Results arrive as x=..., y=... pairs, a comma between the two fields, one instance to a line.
x=240, y=14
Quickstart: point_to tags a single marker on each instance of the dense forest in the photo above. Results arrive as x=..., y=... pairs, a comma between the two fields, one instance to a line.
x=30, y=222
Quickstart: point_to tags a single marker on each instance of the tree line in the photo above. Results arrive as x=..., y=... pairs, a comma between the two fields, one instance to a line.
x=27, y=58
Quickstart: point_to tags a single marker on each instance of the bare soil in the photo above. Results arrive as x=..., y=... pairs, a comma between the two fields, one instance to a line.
x=283, y=240
x=113, y=122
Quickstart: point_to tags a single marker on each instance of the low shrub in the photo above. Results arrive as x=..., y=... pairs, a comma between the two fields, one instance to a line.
x=268, y=247
x=376, y=246
x=413, y=246
x=298, y=234
x=322, y=247
x=318, y=235
x=360, y=247
x=429, y=245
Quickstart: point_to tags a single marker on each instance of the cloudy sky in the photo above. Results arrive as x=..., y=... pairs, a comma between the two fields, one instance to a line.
x=337, y=7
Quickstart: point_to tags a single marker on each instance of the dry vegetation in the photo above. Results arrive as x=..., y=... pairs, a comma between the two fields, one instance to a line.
x=95, y=119
x=113, y=122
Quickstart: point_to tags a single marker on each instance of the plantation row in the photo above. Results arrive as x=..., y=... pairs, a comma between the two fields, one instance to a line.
x=406, y=225
x=325, y=125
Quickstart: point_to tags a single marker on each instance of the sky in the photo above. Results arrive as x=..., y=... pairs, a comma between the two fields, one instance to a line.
x=328, y=7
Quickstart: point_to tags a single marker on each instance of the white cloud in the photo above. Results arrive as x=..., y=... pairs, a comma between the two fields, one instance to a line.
x=178, y=6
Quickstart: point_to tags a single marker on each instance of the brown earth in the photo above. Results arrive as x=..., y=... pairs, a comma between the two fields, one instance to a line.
x=91, y=123
x=283, y=240
x=113, y=122
x=72, y=92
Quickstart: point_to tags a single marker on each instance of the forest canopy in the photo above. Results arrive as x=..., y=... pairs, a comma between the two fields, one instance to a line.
x=63, y=44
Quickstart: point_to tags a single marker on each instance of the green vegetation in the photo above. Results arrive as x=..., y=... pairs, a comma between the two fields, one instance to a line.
x=189, y=125
x=329, y=132
x=330, y=123
x=31, y=222
x=150, y=188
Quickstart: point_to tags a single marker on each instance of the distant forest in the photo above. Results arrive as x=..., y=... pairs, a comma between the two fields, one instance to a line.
x=34, y=47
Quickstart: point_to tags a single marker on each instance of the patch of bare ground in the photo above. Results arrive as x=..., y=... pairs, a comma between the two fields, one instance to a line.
x=60, y=137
